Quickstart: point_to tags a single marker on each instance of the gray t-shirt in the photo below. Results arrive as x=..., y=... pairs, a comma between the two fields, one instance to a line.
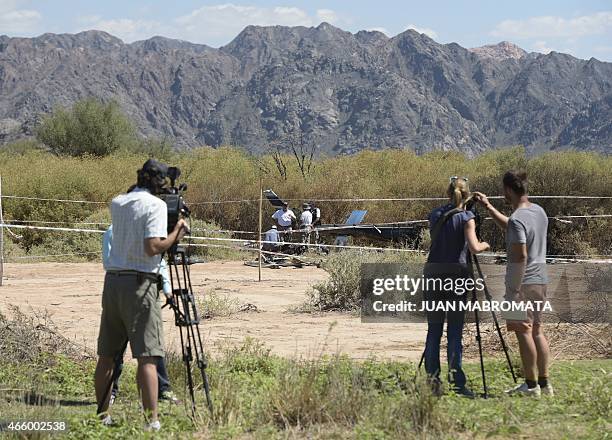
x=529, y=226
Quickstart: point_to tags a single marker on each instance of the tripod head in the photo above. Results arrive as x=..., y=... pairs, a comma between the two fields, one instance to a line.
x=173, y=196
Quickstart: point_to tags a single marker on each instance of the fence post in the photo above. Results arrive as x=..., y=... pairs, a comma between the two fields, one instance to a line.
x=1, y=237
x=260, y=221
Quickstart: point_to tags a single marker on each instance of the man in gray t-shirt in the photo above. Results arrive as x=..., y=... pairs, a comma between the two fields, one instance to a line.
x=528, y=226
x=526, y=278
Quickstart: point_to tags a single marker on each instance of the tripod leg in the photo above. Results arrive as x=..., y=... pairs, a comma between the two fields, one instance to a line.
x=197, y=343
x=479, y=340
x=497, y=327
x=182, y=319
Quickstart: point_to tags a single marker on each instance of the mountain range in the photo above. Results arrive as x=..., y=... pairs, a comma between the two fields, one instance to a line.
x=318, y=88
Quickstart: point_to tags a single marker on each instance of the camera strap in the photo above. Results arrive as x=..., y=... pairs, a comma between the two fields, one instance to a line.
x=441, y=221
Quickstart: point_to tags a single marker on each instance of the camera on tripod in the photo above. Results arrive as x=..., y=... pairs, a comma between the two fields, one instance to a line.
x=173, y=196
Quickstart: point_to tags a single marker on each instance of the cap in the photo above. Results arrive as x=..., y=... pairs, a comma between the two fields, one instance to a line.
x=305, y=206
x=153, y=167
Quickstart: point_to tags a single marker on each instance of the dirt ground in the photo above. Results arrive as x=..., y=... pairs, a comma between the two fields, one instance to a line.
x=71, y=294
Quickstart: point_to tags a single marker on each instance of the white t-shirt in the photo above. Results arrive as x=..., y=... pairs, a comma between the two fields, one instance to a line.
x=136, y=215
x=306, y=218
x=284, y=217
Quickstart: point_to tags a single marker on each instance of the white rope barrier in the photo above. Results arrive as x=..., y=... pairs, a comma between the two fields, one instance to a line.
x=255, y=242
x=243, y=249
x=25, y=257
x=400, y=199
x=52, y=200
x=106, y=224
x=357, y=199
x=14, y=223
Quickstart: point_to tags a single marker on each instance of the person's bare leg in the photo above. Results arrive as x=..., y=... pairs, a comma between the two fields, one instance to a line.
x=529, y=355
x=102, y=377
x=542, y=349
x=147, y=380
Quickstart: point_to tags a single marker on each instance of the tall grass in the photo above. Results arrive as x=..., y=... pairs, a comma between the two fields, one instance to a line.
x=230, y=174
x=259, y=395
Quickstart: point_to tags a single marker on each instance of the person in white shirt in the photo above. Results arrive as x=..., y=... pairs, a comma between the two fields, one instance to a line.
x=284, y=218
x=272, y=239
x=163, y=382
x=316, y=220
x=130, y=310
x=306, y=217
x=306, y=222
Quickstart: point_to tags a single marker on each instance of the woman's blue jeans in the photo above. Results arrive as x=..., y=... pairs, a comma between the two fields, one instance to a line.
x=454, y=334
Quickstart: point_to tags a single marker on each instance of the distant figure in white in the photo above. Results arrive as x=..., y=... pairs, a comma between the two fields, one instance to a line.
x=306, y=222
x=271, y=240
x=284, y=218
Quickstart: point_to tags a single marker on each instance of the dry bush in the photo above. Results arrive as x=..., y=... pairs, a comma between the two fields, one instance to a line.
x=230, y=174
x=340, y=291
x=29, y=338
x=213, y=304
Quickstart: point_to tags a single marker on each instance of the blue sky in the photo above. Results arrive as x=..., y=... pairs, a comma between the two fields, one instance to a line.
x=581, y=28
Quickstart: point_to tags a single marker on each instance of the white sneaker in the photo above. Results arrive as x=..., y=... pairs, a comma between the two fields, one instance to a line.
x=107, y=421
x=153, y=426
x=524, y=390
x=547, y=390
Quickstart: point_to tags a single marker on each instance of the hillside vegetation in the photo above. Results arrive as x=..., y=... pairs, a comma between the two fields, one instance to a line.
x=229, y=174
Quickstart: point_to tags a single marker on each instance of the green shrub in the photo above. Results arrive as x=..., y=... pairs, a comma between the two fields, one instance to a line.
x=340, y=291
x=213, y=304
x=90, y=127
x=227, y=174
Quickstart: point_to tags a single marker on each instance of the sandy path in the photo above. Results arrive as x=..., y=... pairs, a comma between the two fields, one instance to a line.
x=71, y=293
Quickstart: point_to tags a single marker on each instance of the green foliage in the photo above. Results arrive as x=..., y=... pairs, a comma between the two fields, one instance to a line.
x=160, y=149
x=340, y=291
x=228, y=174
x=90, y=127
x=21, y=147
x=260, y=395
x=214, y=304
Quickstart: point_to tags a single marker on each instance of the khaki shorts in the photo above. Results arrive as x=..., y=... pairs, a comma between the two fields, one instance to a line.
x=529, y=293
x=130, y=312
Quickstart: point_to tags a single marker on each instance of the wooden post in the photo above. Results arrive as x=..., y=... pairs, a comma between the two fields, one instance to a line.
x=1, y=236
x=260, y=221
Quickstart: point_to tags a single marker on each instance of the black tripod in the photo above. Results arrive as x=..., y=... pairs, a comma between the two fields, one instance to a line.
x=476, y=263
x=186, y=318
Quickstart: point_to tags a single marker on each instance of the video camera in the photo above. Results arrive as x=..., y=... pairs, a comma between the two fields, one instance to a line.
x=173, y=196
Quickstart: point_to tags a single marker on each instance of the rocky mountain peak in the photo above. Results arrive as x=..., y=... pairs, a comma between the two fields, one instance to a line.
x=500, y=51
x=337, y=91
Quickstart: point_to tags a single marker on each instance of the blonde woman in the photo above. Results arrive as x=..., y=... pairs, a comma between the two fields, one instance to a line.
x=453, y=231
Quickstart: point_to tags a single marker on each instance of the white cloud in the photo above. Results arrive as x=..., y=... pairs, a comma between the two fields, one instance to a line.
x=555, y=27
x=541, y=47
x=214, y=25
x=327, y=15
x=429, y=32
x=14, y=20
x=125, y=28
x=223, y=22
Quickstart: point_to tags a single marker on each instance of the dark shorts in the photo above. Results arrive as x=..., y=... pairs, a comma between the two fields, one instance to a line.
x=130, y=312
